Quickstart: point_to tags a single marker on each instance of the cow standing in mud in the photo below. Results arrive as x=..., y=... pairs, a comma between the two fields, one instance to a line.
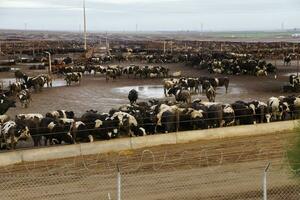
x=25, y=98
x=73, y=77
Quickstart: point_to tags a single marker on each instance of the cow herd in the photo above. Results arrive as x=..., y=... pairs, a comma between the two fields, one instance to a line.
x=141, y=118
x=182, y=88
x=21, y=88
x=116, y=71
x=231, y=64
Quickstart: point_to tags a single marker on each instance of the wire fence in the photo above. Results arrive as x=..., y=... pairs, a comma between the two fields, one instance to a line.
x=238, y=181
x=230, y=169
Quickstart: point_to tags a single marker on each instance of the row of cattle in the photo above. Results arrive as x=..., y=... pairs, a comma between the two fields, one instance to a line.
x=232, y=64
x=115, y=71
x=141, y=119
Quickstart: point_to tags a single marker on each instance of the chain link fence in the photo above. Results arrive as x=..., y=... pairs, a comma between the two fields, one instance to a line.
x=227, y=169
x=229, y=181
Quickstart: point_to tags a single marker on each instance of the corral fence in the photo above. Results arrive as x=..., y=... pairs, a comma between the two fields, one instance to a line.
x=170, y=179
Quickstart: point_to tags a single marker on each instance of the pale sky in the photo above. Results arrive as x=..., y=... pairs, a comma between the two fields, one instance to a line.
x=150, y=15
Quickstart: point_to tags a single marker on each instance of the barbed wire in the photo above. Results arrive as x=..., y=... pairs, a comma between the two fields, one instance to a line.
x=188, y=157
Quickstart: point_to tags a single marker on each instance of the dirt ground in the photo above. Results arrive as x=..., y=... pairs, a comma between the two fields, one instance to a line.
x=216, y=169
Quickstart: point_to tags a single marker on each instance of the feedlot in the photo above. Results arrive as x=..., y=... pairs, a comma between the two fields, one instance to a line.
x=215, y=169
x=95, y=93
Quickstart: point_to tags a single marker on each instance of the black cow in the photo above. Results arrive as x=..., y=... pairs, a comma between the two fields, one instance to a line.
x=215, y=115
x=243, y=113
x=5, y=104
x=133, y=96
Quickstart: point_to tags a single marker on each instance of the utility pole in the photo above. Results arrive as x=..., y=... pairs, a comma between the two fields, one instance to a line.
x=164, y=47
x=84, y=21
x=201, y=28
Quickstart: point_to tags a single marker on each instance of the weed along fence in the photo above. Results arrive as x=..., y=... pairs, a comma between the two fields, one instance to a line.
x=116, y=145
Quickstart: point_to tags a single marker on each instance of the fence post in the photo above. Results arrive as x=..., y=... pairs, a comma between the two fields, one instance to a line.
x=118, y=183
x=265, y=182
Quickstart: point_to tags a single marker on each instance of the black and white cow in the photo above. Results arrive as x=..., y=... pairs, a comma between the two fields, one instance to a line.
x=73, y=77
x=180, y=94
x=61, y=114
x=287, y=60
x=293, y=104
x=101, y=126
x=81, y=133
x=56, y=131
x=129, y=124
x=24, y=97
x=191, y=119
x=32, y=122
x=211, y=93
x=16, y=87
x=278, y=109
x=219, y=82
x=36, y=82
x=261, y=111
x=294, y=80
x=11, y=133
x=47, y=79
x=228, y=115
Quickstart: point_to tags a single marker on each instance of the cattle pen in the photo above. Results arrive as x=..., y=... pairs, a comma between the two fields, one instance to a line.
x=206, y=164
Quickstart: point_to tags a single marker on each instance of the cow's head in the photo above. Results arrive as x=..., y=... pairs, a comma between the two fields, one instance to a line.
x=70, y=114
x=23, y=133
